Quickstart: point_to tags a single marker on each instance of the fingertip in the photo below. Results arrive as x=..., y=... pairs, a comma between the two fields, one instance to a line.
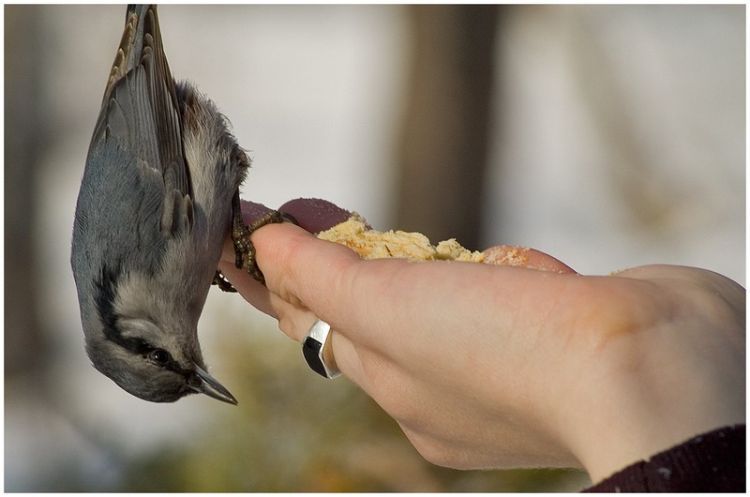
x=276, y=239
x=512, y=255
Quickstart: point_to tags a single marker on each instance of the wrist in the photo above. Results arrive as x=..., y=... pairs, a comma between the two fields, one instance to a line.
x=649, y=392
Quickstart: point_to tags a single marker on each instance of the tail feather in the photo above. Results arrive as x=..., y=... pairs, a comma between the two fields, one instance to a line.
x=130, y=50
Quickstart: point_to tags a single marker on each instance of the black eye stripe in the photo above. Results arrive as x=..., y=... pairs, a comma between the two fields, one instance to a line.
x=140, y=346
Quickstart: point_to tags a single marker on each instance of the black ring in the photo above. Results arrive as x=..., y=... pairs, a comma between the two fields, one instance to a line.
x=311, y=350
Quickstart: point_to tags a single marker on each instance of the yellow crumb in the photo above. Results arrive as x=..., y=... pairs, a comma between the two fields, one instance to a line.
x=373, y=244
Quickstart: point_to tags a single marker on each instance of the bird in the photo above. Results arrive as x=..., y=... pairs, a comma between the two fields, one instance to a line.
x=158, y=197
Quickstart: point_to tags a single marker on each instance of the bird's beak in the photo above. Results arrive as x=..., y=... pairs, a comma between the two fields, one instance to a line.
x=207, y=384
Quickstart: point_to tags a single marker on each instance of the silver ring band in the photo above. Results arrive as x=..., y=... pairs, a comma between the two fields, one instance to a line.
x=318, y=352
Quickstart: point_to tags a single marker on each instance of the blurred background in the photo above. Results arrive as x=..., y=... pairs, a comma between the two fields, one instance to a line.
x=607, y=136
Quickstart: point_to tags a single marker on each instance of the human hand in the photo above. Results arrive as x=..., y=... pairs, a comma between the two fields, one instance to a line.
x=491, y=366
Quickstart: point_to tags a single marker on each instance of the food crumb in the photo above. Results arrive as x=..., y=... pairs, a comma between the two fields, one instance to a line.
x=373, y=244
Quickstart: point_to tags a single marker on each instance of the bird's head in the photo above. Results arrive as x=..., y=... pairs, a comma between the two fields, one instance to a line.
x=144, y=344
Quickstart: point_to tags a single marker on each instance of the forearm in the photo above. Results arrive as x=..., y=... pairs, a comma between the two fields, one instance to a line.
x=656, y=386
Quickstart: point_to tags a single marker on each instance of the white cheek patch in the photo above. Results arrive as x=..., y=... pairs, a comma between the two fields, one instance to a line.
x=137, y=298
x=147, y=310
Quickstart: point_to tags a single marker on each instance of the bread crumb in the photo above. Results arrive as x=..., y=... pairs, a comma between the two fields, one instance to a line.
x=507, y=255
x=373, y=244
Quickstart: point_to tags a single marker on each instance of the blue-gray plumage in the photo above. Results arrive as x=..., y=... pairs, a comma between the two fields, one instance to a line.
x=159, y=195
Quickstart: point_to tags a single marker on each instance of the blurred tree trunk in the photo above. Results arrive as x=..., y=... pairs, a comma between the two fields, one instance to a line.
x=24, y=132
x=444, y=143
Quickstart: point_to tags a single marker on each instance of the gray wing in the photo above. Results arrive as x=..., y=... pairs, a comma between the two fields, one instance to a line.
x=140, y=116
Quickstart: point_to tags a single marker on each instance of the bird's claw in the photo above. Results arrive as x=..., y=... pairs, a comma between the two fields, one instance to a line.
x=223, y=283
x=243, y=248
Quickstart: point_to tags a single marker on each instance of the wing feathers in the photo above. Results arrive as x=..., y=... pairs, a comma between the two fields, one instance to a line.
x=141, y=112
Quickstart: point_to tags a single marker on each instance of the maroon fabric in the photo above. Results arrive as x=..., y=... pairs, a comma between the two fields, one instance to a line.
x=315, y=214
x=711, y=462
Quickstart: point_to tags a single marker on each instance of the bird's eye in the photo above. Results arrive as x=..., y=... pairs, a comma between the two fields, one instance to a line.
x=159, y=356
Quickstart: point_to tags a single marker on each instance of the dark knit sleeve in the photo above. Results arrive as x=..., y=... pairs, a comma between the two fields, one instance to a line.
x=711, y=462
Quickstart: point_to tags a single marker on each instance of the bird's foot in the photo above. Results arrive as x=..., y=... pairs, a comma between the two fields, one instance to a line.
x=223, y=283
x=243, y=248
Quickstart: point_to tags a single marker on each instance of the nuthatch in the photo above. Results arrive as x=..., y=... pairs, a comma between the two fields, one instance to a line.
x=159, y=195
